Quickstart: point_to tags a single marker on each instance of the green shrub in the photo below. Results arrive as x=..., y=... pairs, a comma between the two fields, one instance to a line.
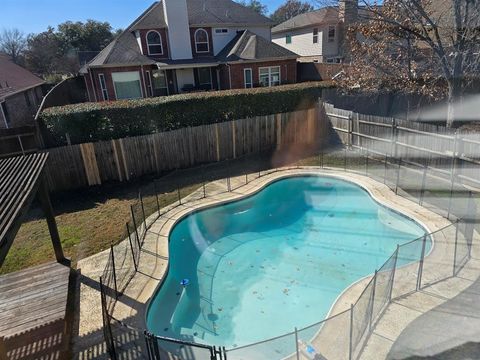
x=111, y=120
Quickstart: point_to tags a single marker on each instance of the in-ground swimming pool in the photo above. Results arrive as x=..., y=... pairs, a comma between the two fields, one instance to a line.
x=262, y=265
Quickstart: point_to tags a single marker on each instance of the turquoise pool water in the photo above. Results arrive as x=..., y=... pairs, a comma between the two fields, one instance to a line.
x=260, y=266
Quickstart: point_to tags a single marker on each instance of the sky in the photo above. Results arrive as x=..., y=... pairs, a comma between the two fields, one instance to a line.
x=33, y=16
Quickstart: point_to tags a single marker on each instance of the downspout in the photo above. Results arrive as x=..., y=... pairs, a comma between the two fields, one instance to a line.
x=145, y=95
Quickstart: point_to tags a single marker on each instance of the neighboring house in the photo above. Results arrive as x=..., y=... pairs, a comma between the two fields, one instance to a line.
x=21, y=93
x=179, y=46
x=318, y=36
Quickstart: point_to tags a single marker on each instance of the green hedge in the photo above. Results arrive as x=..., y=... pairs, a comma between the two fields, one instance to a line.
x=112, y=120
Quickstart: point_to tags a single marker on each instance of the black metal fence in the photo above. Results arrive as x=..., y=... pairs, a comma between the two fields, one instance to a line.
x=351, y=327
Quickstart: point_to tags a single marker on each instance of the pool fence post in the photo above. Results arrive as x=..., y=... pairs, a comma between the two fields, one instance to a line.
x=452, y=173
x=203, y=181
x=345, y=159
x=156, y=197
x=350, y=347
x=321, y=157
x=424, y=180
x=366, y=162
x=114, y=274
x=385, y=172
x=372, y=301
x=147, y=342
x=131, y=248
x=296, y=344
x=143, y=211
x=135, y=226
x=393, y=273
x=457, y=224
x=398, y=175
x=246, y=177
x=178, y=194
x=420, y=265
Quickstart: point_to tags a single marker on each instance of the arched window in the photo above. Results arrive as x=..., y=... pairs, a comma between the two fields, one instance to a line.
x=154, y=43
x=201, y=41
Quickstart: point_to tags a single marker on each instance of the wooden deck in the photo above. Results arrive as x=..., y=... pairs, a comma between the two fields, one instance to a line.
x=33, y=312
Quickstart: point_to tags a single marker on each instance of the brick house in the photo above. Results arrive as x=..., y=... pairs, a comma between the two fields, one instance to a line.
x=21, y=93
x=179, y=46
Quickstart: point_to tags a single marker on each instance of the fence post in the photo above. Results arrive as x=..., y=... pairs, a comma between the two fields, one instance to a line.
x=114, y=274
x=452, y=173
x=373, y=301
x=135, y=225
x=156, y=196
x=424, y=180
x=398, y=175
x=345, y=159
x=321, y=157
x=366, y=162
x=296, y=344
x=350, y=347
x=106, y=321
x=385, y=172
x=179, y=196
x=143, y=211
x=350, y=130
x=246, y=177
x=420, y=265
x=131, y=247
x=393, y=273
x=203, y=182
x=455, y=249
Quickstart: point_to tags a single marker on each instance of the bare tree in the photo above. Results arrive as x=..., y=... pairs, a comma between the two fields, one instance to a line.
x=289, y=9
x=13, y=43
x=427, y=46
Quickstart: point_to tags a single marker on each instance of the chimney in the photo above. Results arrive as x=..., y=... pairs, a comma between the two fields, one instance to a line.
x=348, y=12
x=176, y=17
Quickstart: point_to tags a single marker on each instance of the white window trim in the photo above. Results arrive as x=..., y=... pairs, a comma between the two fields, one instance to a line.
x=245, y=78
x=149, y=84
x=270, y=74
x=331, y=40
x=102, y=89
x=148, y=45
x=208, y=41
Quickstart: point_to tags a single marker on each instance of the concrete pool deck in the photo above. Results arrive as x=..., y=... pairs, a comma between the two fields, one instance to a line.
x=131, y=306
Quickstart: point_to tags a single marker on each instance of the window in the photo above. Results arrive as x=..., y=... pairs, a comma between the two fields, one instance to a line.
x=247, y=76
x=269, y=76
x=221, y=31
x=103, y=86
x=288, y=39
x=127, y=85
x=154, y=43
x=204, y=77
x=331, y=33
x=4, y=112
x=201, y=41
x=149, y=83
x=315, y=35
x=160, y=82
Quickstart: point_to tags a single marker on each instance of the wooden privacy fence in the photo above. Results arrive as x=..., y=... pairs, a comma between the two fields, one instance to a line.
x=454, y=155
x=125, y=159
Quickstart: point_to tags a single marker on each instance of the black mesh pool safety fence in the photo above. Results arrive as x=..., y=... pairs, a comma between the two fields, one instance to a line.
x=415, y=179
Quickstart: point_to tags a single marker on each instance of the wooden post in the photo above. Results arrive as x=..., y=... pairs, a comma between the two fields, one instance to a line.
x=3, y=349
x=44, y=198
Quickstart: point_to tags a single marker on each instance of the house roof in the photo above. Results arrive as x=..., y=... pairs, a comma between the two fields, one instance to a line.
x=202, y=13
x=14, y=78
x=249, y=46
x=322, y=16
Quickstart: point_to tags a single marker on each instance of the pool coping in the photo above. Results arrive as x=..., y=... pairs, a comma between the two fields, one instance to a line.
x=143, y=286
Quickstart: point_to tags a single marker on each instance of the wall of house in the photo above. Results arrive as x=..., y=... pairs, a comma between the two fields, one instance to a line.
x=21, y=108
x=302, y=42
x=192, y=42
x=107, y=72
x=288, y=72
x=163, y=35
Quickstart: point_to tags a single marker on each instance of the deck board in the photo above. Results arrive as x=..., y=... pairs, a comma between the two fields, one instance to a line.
x=32, y=298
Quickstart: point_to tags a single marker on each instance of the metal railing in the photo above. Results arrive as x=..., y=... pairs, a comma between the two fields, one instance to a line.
x=351, y=327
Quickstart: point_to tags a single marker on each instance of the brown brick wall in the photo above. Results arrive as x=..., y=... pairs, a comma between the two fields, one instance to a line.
x=109, y=82
x=163, y=34
x=288, y=72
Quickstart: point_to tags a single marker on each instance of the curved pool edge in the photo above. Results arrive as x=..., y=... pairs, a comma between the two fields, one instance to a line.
x=160, y=231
